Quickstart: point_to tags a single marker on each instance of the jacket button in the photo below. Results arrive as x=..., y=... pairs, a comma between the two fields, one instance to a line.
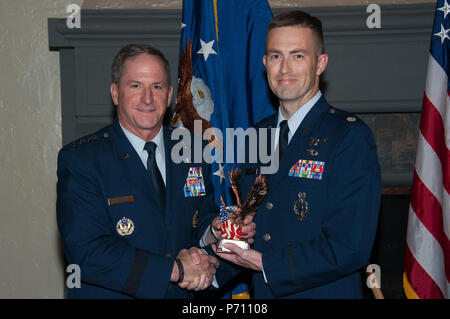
x=269, y=205
x=266, y=237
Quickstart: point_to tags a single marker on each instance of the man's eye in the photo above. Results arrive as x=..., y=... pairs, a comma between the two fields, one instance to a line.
x=134, y=85
x=274, y=56
x=298, y=56
x=158, y=87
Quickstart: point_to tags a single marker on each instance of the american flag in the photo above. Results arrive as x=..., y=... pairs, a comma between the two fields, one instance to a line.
x=427, y=258
x=230, y=231
x=223, y=213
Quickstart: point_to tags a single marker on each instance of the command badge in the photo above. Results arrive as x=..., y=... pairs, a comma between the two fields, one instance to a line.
x=125, y=227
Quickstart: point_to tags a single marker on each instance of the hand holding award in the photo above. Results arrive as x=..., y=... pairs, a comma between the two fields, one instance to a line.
x=232, y=217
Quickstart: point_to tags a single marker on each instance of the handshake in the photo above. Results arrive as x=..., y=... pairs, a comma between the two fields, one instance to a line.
x=193, y=269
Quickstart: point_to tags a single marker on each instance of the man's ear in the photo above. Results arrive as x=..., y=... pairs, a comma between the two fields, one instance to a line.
x=114, y=89
x=264, y=60
x=322, y=62
x=169, y=100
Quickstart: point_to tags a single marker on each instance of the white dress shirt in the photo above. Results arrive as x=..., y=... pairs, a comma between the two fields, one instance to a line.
x=296, y=118
x=138, y=144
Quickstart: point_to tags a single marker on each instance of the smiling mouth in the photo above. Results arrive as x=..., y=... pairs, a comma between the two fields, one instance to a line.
x=146, y=110
x=286, y=81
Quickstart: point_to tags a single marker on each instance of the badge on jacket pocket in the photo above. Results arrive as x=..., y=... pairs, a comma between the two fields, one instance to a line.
x=125, y=226
x=194, y=186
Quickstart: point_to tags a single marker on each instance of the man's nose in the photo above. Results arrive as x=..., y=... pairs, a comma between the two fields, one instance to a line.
x=147, y=96
x=285, y=66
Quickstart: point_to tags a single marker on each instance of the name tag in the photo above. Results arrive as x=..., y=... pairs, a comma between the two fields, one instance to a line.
x=120, y=200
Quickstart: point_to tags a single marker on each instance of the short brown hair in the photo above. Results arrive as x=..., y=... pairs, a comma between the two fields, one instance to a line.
x=301, y=19
x=132, y=50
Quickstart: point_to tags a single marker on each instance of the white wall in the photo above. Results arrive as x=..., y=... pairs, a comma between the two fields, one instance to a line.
x=30, y=137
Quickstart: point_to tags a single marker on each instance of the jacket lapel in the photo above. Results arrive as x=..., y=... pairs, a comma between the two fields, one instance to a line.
x=172, y=178
x=176, y=174
x=272, y=124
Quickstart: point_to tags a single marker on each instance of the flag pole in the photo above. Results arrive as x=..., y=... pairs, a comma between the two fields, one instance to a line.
x=377, y=292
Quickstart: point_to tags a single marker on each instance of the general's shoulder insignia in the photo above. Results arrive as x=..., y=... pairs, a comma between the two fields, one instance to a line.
x=125, y=227
x=89, y=139
x=351, y=119
x=85, y=140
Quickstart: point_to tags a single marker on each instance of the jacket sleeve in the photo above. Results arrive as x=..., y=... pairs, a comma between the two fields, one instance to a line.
x=345, y=241
x=209, y=210
x=89, y=238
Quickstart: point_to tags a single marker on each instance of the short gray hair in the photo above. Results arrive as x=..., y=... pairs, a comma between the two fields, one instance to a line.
x=132, y=50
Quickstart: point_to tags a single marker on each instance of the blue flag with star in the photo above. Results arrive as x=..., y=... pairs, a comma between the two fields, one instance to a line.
x=229, y=85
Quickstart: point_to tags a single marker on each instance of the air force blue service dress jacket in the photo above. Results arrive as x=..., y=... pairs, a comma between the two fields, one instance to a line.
x=317, y=224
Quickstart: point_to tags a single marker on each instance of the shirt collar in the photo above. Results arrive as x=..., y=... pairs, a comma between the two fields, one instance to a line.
x=296, y=119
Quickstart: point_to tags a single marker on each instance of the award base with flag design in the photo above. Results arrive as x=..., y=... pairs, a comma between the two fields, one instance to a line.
x=241, y=243
x=230, y=232
x=232, y=217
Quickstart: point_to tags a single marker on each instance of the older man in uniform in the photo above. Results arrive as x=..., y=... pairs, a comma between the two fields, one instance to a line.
x=317, y=225
x=126, y=212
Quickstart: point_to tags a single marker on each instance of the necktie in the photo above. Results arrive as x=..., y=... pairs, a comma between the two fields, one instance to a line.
x=153, y=171
x=283, y=138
